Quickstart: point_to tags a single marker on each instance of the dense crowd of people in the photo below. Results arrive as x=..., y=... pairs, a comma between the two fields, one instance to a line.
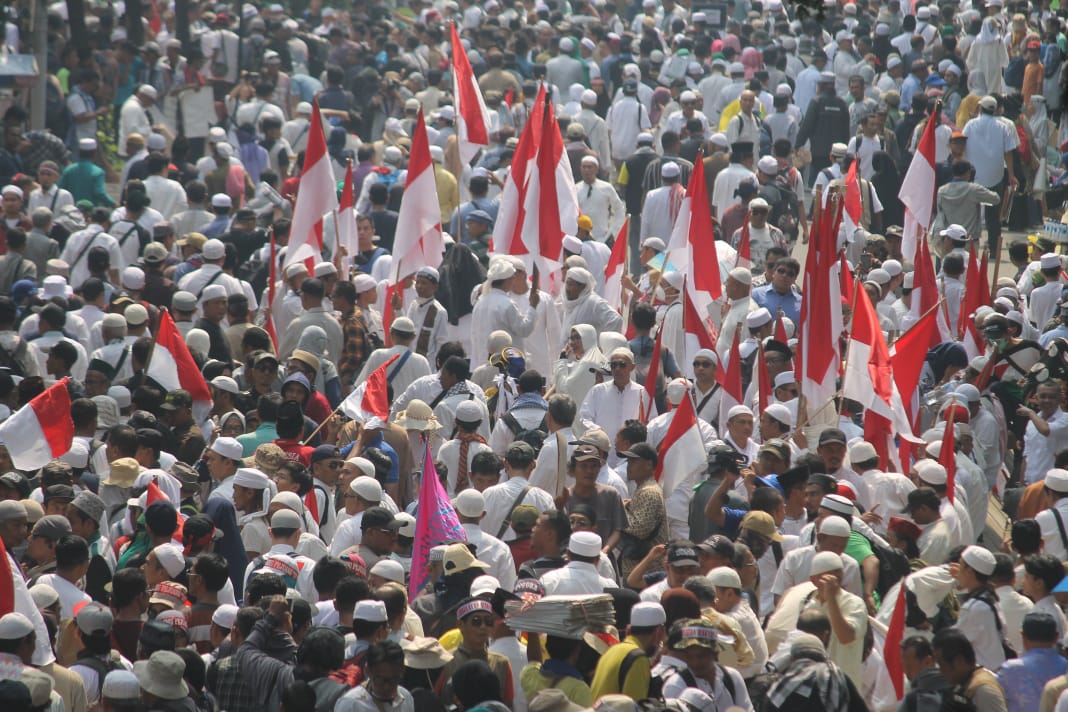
x=255, y=551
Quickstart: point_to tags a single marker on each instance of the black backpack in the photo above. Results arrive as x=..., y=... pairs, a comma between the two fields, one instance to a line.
x=893, y=566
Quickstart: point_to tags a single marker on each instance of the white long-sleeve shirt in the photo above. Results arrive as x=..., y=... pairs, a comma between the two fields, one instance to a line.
x=495, y=311
x=494, y=552
x=627, y=117
x=604, y=207
x=606, y=406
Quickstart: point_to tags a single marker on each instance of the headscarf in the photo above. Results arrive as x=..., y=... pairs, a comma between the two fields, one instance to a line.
x=571, y=304
x=661, y=96
x=230, y=547
x=886, y=181
x=1040, y=124
x=752, y=60
x=460, y=273
x=820, y=681
x=988, y=34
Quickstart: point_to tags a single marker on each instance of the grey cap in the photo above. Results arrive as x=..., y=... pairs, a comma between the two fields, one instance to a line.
x=89, y=504
x=184, y=301
x=51, y=526
x=11, y=510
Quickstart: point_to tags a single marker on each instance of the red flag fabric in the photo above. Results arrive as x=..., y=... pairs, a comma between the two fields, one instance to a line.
x=780, y=329
x=387, y=311
x=617, y=265
x=907, y=355
x=947, y=456
x=821, y=312
x=472, y=116
x=419, y=242
x=925, y=284
x=370, y=399
x=41, y=430
x=346, y=223
x=312, y=504
x=554, y=202
x=172, y=366
x=852, y=206
x=918, y=189
x=511, y=215
x=651, y=378
x=848, y=281
x=892, y=647
x=682, y=450
x=985, y=279
x=766, y=393
x=696, y=328
x=691, y=250
x=154, y=493
x=7, y=582
x=317, y=197
x=730, y=380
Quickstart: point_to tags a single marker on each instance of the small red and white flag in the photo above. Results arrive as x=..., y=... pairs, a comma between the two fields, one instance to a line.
x=617, y=265
x=370, y=399
x=41, y=430
x=765, y=392
x=947, y=455
x=317, y=198
x=472, y=116
x=729, y=376
x=272, y=287
x=682, y=451
x=918, y=190
x=895, y=634
x=346, y=223
x=852, y=207
x=172, y=366
x=973, y=299
x=925, y=294
x=419, y=242
x=698, y=334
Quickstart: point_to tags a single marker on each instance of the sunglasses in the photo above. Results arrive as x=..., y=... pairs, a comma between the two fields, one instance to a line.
x=480, y=621
x=703, y=364
x=334, y=465
x=786, y=272
x=759, y=211
x=619, y=364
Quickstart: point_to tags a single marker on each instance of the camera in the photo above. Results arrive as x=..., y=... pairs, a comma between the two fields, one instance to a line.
x=724, y=458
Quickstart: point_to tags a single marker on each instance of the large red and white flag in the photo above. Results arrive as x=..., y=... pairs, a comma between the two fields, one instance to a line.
x=346, y=224
x=973, y=299
x=729, y=375
x=918, y=189
x=691, y=247
x=317, y=197
x=41, y=430
x=925, y=294
x=869, y=372
x=617, y=265
x=682, y=450
x=370, y=399
x=907, y=359
x=818, y=349
x=698, y=334
x=419, y=242
x=511, y=215
x=550, y=204
x=472, y=116
x=172, y=366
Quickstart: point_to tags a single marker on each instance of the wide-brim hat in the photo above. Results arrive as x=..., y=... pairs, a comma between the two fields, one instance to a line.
x=423, y=653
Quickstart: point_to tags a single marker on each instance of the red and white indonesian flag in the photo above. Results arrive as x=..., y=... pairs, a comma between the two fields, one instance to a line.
x=550, y=205
x=317, y=197
x=729, y=375
x=41, y=430
x=472, y=116
x=683, y=450
x=172, y=366
x=869, y=373
x=918, y=189
x=617, y=265
x=419, y=242
x=691, y=247
x=511, y=216
x=346, y=220
x=818, y=351
x=370, y=399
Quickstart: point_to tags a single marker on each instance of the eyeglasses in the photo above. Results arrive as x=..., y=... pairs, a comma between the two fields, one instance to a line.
x=758, y=211
x=785, y=272
x=703, y=364
x=479, y=621
x=619, y=364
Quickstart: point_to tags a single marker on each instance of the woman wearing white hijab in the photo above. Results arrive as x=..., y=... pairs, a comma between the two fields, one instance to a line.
x=571, y=375
x=583, y=306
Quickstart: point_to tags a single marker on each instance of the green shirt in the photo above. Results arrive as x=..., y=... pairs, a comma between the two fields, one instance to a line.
x=85, y=181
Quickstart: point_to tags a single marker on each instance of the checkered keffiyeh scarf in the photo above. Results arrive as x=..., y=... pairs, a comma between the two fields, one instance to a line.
x=820, y=681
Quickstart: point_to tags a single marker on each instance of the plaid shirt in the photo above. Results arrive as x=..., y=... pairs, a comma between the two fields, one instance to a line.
x=356, y=348
x=44, y=147
x=231, y=692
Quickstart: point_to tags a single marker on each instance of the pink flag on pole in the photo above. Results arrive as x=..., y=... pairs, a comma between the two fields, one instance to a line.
x=436, y=522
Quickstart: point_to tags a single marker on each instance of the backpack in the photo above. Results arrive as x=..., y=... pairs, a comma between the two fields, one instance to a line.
x=893, y=566
x=351, y=673
x=100, y=667
x=986, y=596
x=728, y=681
x=517, y=429
x=13, y=360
